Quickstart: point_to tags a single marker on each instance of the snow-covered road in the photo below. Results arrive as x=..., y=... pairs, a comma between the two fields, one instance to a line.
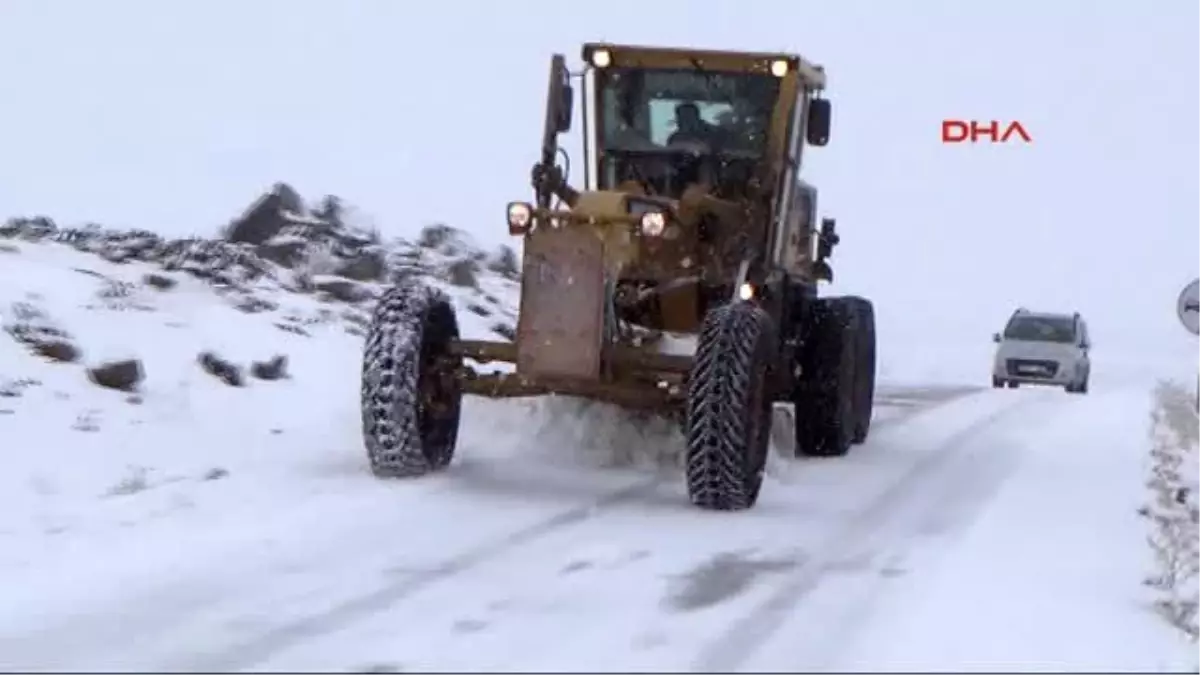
x=1008, y=514
x=201, y=527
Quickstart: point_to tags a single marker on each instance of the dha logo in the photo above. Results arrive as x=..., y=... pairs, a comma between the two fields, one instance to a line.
x=970, y=131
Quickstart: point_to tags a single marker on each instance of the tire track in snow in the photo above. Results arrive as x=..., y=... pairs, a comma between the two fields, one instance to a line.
x=923, y=529
x=882, y=517
x=267, y=643
x=164, y=614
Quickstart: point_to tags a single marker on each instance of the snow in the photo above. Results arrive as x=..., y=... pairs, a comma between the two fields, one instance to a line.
x=675, y=344
x=197, y=526
x=1042, y=578
x=302, y=218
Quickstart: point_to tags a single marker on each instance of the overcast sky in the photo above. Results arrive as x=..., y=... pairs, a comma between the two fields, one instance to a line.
x=172, y=115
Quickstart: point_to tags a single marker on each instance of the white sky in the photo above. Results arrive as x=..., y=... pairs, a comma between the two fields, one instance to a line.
x=172, y=116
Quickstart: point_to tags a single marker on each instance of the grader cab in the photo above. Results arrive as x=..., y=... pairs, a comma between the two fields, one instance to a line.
x=680, y=277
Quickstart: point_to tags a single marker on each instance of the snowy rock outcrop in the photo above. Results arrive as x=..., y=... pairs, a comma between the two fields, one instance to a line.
x=279, y=242
x=299, y=269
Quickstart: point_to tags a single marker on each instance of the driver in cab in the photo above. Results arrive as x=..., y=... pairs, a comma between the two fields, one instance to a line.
x=692, y=130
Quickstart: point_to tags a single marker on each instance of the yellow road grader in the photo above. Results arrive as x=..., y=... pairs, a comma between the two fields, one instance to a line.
x=680, y=278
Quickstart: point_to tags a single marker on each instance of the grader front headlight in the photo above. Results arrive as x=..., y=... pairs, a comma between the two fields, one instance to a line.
x=653, y=223
x=520, y=215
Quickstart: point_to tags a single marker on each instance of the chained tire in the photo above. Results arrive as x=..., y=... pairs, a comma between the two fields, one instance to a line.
x=862, y=325
x=411, y=396
x=826, y=418
x=728, y=420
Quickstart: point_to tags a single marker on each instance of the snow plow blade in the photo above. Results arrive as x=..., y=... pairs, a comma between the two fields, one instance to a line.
x=560, y=332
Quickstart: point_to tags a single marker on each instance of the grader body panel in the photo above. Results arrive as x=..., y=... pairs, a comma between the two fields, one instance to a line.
x=560, y=328
x=568, y=341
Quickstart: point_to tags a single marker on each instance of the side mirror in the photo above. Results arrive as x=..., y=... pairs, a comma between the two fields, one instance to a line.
x=1085, y=345
x=827, y=238
x=566, y=107
x=560, y=99
x=996, y=338
x=820, y=115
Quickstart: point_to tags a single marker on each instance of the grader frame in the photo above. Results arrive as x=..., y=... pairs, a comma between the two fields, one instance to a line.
x=567, y=341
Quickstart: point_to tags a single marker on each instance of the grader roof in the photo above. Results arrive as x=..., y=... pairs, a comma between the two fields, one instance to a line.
x=632, y=56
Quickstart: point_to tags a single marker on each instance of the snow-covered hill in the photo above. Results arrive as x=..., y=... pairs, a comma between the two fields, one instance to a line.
x=133, y=364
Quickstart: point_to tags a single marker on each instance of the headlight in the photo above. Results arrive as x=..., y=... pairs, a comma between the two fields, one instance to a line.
x=520, y=215
x=653, y=223
x=601, y=58
x=746, y=291
x=779, y=68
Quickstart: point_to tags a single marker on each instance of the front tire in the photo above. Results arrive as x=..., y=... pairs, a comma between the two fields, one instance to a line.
x=728, y=422
x=411, y=398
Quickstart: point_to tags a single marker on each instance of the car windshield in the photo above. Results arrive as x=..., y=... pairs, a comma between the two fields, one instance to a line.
x=1041, y=329
x=667, y=128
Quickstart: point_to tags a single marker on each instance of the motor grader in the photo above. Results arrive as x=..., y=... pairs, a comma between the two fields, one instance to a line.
x=680, y=278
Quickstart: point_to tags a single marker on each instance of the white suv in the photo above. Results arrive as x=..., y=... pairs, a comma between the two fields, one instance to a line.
x=1040, y=348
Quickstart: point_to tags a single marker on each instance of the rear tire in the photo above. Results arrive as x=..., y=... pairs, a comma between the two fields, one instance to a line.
x=997, y=383
x=1012, y=385
x=862, y=326
x=825, y=401
x=728, y=422
x=411, y=398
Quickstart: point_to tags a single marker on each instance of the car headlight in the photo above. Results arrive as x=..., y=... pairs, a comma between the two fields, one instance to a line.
x=653, y=223
x=520, y=215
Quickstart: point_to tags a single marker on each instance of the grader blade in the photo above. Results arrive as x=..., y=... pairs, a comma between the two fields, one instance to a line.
x=561, y=325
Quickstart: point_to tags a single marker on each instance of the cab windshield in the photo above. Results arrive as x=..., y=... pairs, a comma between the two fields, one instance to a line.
x=666, y=129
